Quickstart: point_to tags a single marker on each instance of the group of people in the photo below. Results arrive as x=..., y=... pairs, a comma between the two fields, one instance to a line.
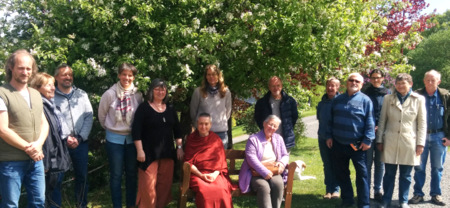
x=44, y=130
x=391, y=130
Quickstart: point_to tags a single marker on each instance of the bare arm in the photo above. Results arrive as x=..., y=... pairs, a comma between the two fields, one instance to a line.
x=140, y=151
x=8, y=135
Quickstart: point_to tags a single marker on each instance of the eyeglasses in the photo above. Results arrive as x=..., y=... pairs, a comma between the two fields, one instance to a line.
x=354, y=80
x=375, y=78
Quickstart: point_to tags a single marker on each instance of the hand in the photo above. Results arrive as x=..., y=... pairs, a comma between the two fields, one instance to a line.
x=180, y=154
x=280, y=167
x=38, y=157
x=330, y=143
x=380, y=147
x=141, y=156
x=376, y=128
x=419, y=150
x=210, y=177
x=269, y=176
x=364, y=146
x=72, y=142
x=445, y=141
x=32, y=149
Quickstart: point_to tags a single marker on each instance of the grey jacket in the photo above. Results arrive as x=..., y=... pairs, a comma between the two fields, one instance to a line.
x=76, y=111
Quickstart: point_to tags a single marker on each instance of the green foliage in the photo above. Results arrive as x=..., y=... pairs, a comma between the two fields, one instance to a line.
x=432, y=53
x=248, y=121
x=441, y=22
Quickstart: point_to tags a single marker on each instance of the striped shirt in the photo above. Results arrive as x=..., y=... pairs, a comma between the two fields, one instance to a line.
x=352, y=119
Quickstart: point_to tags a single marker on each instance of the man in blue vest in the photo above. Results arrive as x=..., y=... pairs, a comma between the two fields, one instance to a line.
x=23, y=130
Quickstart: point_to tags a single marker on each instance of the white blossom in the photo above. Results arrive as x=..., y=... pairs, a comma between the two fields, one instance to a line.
x=196, y=23
x=249, y=61
x=230, y=16
x=116, y=48
x=85, y=46
x=173, y=88
x=101, y=71
x=15, y=40
x=121, y=10
x=80, y=19
x=377, y=54
x=246, y=15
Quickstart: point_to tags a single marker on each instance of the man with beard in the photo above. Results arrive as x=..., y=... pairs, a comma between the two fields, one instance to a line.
x=351, y=132
x=23, y=131
x=77, y=114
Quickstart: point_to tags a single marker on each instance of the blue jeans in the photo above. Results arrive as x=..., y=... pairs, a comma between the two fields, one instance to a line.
x=389, y=182
x=122, y=156
x=224, y=136
x=341, y=156
x=374, y=157
x=79, y=157
x=437, y=151
x=53, y=183
x=28, y=172
x=330, y=180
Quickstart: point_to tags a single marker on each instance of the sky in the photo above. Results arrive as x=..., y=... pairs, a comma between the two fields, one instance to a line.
x=440, y=5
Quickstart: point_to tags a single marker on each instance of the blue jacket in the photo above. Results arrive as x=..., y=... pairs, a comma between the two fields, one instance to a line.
x=377, y=97
x=323, y=114
x=288, y=111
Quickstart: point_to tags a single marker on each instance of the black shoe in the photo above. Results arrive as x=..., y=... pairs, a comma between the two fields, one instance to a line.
x=416, y=199
x=378, y=197
x=437, y=200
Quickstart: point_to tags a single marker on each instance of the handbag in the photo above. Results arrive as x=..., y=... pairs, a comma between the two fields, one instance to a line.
x=270, y=166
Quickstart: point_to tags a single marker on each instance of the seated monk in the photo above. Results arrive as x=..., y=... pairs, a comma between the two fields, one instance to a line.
x=209, y=179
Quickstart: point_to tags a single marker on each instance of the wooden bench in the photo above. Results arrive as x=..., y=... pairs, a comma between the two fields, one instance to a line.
x=232, y=156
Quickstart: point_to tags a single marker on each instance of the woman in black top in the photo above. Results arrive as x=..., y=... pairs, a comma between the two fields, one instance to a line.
x=154, y=128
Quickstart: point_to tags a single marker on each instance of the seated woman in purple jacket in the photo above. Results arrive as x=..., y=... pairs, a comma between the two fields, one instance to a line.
x=263, y=169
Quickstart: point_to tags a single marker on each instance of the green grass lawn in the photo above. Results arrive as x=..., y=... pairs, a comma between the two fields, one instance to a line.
x=238, y=131
x=310, y=112
x=307, y=193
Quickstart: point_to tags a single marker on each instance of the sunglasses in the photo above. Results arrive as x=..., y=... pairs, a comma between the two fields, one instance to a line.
x=354, y=80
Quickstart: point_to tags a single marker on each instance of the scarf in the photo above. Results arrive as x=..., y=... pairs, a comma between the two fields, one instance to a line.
x=52, y=107
x=124, y=110
x=212, y=90
x=403, y=98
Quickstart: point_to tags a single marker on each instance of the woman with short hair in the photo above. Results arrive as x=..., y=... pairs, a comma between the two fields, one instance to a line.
x=115, y=113
x=56, y=155
x=401, y=137
x=264, y=165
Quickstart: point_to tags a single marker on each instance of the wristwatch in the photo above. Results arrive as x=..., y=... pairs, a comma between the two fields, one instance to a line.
x=179, y=146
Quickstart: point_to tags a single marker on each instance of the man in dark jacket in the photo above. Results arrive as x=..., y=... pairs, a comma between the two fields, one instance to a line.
x=437, y=103
x=279, y=103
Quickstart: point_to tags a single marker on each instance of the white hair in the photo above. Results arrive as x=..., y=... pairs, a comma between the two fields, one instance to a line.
x=357, y=75
x=433, y=73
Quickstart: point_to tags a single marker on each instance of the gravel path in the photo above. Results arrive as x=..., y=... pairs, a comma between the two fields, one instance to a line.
x=311, y=124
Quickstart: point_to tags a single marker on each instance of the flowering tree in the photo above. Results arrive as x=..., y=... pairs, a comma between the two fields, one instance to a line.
x=404, y=24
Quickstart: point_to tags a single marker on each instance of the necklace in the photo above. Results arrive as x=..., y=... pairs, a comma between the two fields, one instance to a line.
x=160, y=108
